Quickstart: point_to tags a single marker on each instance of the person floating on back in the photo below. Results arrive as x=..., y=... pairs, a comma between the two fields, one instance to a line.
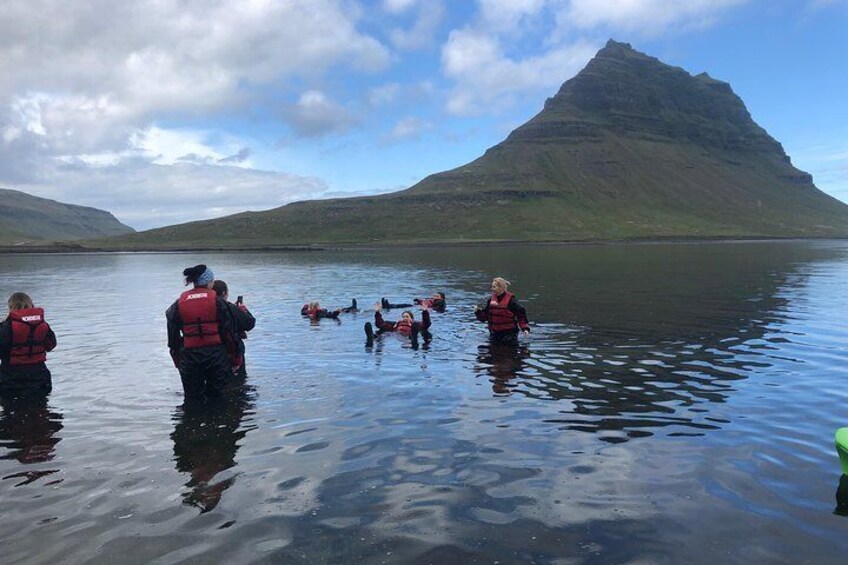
x=435, y=302
x=242, y=322
x=313, y=310
x=406, y=326
x=504, y=315
x=200, y=336
x=25, y=339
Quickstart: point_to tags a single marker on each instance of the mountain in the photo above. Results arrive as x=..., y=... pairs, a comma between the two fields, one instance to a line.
x=628, y=148
x=28, y=219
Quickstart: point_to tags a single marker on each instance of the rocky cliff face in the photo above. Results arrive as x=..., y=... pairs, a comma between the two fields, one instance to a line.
x=25, y=218
x=628, y=148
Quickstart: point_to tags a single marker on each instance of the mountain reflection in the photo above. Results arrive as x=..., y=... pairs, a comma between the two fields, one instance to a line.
x=206, y=437
x=657, y=350
x=27, y=430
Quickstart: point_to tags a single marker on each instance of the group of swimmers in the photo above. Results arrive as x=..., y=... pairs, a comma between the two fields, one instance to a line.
x=206, y=332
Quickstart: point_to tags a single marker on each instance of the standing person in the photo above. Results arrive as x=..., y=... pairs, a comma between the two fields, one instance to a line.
x=25, y=339
x=242, y=322
x=200, y=335
x=504, y=315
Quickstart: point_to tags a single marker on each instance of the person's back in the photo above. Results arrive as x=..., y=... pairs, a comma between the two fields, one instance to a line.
x=200, y=336
x=25, y=339
x=242, y=321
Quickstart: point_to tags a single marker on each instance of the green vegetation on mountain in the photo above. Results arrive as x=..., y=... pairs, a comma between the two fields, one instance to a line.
x=628, y=148
x=27, y=219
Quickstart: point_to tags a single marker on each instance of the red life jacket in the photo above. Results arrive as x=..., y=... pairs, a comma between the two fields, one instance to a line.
x=403, y=327
x=29, y=336
x=501, y=318
x=312, y=313
x=198, y=309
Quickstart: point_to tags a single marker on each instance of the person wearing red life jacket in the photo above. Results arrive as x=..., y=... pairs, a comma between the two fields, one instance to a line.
x=313, y=310
x=435, y=302
x=406, y=326
x=200, y=336
x=504, y=315
x=25, y=339
x=242, y=322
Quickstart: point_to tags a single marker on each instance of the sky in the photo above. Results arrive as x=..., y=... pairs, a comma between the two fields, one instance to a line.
x=170, y=111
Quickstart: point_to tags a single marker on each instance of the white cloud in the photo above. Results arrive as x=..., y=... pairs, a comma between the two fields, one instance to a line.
x=315, y=115
x=409, y=127
x=145, y=195
x=486, y=78
x=422, y=33
x=398, y=6
x=642, y=16
x=384, y=94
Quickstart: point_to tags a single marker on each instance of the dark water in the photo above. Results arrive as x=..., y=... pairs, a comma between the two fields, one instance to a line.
x=675, y=403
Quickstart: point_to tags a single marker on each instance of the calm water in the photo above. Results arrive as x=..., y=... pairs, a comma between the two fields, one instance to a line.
x=674, y=403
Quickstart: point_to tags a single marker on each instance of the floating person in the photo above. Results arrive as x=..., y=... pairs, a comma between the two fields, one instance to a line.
x=242, y=322
x=200, y=336
x=504, y=315
x=25, y=340
x=407, y=326
x=313, y=310
x=435, y=302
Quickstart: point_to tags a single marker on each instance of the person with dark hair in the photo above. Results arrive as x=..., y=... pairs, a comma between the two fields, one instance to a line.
x=435, y=302
x=313, y=310
x=504, y=315
x=242, y=322
x=25, y=339
x=200, y=336
x=407, y=326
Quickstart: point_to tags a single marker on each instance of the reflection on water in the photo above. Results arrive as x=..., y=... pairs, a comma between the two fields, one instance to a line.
x=674, y=403
x=206, y=436
x=27, y=430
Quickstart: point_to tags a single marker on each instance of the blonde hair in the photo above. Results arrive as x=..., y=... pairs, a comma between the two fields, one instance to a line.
x=501, y=282
x=20, y=301
x=313, y=305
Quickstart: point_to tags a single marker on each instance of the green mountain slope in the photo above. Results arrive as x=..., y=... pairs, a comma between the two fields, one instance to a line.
x=28, y=219
x=628, y=148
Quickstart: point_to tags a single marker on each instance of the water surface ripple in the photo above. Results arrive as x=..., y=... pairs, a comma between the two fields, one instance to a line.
x=674, y=403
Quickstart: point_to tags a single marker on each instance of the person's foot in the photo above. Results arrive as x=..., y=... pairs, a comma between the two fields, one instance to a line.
x=353, y=305
x=413, y=337
x=369, y=335
x=384, y=303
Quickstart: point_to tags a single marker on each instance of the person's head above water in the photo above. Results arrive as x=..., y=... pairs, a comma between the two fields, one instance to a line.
x=499, y=285
x=314, y=305
x=199, y=275
x=407, y=316
x=220, y=288
x=20, y=301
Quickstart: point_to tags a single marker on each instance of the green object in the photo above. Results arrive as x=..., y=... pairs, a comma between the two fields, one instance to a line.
x=842, y=448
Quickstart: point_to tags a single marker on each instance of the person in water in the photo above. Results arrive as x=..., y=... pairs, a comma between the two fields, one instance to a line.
x=200, y=336
x=406, y=326
x=313, y=310
x=435, y=302
x=504, y=315
x=25, y=339
x=242, y=322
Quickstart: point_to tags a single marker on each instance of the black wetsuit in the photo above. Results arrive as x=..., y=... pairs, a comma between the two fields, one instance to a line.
x=242, y=322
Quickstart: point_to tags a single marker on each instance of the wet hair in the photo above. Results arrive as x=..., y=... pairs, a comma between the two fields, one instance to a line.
x=441, y=294
x=314, y=305
x=20, y=301
x=191, y=274
x=220, y=287
x=411, y=315
x=501, y=282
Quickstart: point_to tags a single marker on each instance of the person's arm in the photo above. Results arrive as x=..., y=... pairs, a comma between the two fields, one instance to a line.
x=175, y=324
x=482, y=314
x=520, y=314
x=243, y=318
x=5, y=338
x=382, y=324
x=49, y=340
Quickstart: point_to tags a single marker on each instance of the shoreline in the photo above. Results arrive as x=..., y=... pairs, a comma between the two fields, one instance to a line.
x=70, y=248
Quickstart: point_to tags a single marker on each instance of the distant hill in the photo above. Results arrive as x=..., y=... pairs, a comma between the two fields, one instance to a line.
x=29, y=219
x=628, y=148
